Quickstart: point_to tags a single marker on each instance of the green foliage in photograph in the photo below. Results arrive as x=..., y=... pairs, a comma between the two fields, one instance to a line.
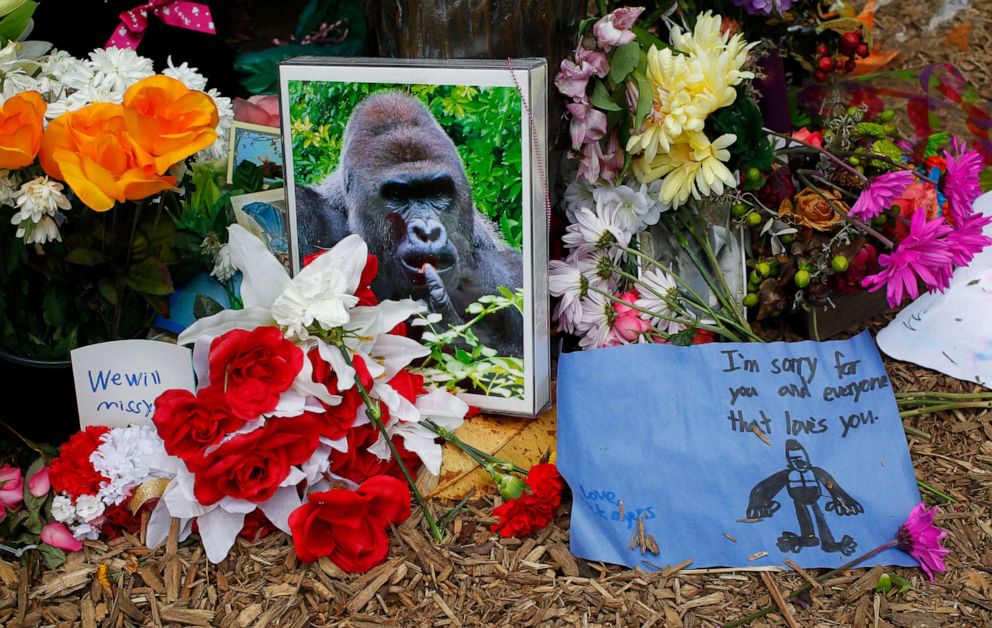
x=483, y=122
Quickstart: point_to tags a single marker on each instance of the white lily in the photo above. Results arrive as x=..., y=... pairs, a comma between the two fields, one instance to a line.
x=438, y=405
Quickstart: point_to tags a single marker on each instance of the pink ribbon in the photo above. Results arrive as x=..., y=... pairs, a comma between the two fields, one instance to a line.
x=194, y=16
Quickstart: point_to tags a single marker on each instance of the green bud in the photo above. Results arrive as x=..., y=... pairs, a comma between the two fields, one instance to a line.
x=886, y=116
x=750, y=300
x=839, y=263
x=738, y=210
x=763, y=269
x=754, y=219
x=802, y=278
x=510, y=486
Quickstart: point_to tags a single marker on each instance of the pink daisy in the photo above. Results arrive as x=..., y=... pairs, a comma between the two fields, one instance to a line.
x=967, y=239
x=880, y=192
x=920, y=538
x=962, y=187
x=922, y=255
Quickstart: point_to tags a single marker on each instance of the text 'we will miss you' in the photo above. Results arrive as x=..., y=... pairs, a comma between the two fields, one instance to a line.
x=109, y=380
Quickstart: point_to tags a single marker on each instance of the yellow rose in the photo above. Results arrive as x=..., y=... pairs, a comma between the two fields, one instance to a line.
x=167, y=121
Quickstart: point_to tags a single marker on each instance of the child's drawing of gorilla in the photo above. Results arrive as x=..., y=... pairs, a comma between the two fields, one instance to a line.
x=401, y=185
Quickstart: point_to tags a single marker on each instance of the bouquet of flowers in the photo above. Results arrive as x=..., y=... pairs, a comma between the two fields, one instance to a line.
x=103, y=213
x=671, y=147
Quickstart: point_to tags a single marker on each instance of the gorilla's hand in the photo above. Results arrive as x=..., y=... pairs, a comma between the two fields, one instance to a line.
x=439, y=300
x=762, y=510
x=844, y=507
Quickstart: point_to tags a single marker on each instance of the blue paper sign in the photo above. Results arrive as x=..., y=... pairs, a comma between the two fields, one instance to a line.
x=680, y=436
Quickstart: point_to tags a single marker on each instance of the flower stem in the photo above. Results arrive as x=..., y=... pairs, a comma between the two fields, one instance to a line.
x=806, y=587
x=482, y=458
x=817, y=149
x=941, y=407
x=926, y=488
x=722, y=331
x=374, y=413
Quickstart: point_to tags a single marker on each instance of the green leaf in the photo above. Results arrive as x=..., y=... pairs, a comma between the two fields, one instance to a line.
x=247, y=177
x=645, y=100
x=14, y=23
x=53, y=307
x=684, y=338
x=463, y=356
x=108, y=291
x=85, y=257
x=205, y=306
x=52, y=556
x=647, y=39
x=900, y=582
x=624, y=59
x=150, y=277
x=601, y=98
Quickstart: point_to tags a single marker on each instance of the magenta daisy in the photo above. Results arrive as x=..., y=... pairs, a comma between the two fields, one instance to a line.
x=962, y=187
x=968, y=238
x=920, y=538
x=880, y=193
x=923, y=255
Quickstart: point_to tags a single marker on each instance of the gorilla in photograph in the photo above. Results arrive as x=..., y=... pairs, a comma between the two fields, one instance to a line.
x=401, y=186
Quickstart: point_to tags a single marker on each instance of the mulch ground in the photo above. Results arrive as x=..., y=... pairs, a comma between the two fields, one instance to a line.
x=476, y=578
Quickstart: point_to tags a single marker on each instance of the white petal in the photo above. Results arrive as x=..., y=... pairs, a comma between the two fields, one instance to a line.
x=280, y=506
x=236, y=506
x=396, y=353
x=390, y=314
x=332, y=355
x=223, y=322
x=264, y=276
x=443, y=408
x=304, y=385
x=348, y=256
x=421, y=441
x=400, y=409
x=218, y=531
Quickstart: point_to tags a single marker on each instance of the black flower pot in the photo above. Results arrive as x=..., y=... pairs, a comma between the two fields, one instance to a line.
x=39, y=399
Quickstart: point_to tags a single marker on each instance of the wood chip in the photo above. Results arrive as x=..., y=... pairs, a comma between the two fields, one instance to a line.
x=729, y=538
x=757, y=555
x=783, y=608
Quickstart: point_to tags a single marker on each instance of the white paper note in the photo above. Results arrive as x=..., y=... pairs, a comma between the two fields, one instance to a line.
x=117, y=382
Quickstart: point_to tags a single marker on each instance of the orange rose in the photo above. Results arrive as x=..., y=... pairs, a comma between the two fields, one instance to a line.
x=21, y=123
x=812, y=211
x=90, y=150
x=167, y=121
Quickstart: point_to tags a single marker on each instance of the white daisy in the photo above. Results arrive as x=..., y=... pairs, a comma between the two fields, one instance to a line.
x=595, y=230
x=187, y=75
x=655, y=284
x=577, y=195
x=597, y=321
x=565, y=280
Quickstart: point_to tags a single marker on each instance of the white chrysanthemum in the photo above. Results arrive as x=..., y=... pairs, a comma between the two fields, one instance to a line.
x=8, y=187
x=44, y=231
x=55, y=66
x=633, y=207
x=186, y=75
x=123, y=458
x=658, y=291
x=39, y=197
x=597, y=321
x=566, y=281
x=225, y=118
x=62, y=509
x=224, y=268
x=593, y=230
x=89, y=507
x=577, y=195
x=116, y=69
x=321, y=298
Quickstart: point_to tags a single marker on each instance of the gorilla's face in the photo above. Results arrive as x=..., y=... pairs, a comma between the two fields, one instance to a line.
x=406, y=191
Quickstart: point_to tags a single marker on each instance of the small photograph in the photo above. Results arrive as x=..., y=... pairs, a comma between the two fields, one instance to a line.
x=264, y=214
x=432, y=175
x=260, y=145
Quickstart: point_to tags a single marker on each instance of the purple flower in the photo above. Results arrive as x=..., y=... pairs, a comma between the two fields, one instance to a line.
x=880, y=192
x=595, y=164
x=923, y=255
x=964, y=167
x=614, y=29
x=764, y=7
x=588, y=124
x=920, y=538
x=574, y=76
x=968, y=238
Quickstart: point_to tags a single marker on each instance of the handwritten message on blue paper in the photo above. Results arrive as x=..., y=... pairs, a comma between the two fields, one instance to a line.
x=734, y=454
x=117, y=382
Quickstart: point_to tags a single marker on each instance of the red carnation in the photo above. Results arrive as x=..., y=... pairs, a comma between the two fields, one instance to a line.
x=190, y=423
x=72, y=472
x=338, y=419
x=359, y=464
x=533, y=510
x=253, y=368
x=252, y=466
x=349, y=527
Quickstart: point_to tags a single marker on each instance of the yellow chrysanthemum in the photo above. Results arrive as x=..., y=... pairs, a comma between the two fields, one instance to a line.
x=687, y=88
x=693, y=167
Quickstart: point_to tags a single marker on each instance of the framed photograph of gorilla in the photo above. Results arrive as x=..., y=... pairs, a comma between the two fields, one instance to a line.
x=435, y=164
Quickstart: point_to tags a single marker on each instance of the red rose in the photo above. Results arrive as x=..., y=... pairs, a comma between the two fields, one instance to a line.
x=117, y=519
x=522, y=516
x=338, y=419
x=252, y=466
x=359, y=464
x=253, y=368
x=349, y=527
x=72, y=472
x=190, y=423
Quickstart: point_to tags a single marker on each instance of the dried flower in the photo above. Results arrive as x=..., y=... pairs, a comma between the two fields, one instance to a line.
x=812, y=210
x=920, y=538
